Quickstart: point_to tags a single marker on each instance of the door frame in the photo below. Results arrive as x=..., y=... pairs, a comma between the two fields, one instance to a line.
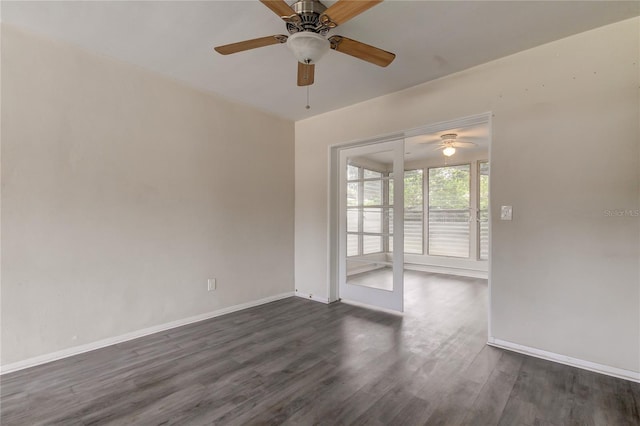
x=333, y=205
x=333, y=209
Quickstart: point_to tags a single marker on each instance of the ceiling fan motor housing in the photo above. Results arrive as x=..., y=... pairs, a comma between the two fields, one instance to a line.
x=309, y=12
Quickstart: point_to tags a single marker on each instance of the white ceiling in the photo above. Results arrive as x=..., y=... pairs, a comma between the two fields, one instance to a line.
x=431, y=39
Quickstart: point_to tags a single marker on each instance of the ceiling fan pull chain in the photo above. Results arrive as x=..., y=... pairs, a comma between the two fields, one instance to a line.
x=308, y=106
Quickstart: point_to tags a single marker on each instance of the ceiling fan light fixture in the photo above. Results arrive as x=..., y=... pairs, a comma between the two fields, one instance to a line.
x=448, y=140
x=308, y=47
x=449, y=137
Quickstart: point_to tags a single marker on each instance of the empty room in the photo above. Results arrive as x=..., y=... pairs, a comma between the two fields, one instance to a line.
x=320, y=212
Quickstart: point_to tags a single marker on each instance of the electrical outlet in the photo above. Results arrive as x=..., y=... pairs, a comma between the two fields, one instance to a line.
x=211, y=284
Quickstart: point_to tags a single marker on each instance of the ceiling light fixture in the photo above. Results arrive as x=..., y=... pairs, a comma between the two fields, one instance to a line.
x=449, y=151
x=448, y=140
x=308, y=47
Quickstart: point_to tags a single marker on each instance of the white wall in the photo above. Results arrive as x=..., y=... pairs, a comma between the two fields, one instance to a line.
x=565, y=148
x=123, y=191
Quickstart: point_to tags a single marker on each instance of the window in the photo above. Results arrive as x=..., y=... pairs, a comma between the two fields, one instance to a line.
x=449, y=214
x=450, y=229
x=413, y=212
x=365, y=211
x=483, y=210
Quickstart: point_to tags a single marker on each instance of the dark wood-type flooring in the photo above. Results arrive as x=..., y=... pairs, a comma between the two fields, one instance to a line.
x=298, y=362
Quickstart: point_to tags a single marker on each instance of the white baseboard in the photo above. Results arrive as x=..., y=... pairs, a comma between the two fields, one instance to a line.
x=312, y=297
x=620, y=373
x=76, y=350
x=364, y=269
x=471, y=273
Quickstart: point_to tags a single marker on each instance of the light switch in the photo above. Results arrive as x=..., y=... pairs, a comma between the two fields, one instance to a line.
x=506, y=213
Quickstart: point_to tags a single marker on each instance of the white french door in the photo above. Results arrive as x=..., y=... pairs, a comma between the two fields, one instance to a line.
x=371, y=223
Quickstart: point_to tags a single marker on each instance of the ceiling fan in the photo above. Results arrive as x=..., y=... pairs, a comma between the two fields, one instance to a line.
x=308, y=23
x=448, y=144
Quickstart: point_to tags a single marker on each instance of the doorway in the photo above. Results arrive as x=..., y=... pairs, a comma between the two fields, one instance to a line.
x=450, y=236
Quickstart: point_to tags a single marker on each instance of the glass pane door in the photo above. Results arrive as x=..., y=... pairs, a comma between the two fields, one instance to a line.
x=371, y=207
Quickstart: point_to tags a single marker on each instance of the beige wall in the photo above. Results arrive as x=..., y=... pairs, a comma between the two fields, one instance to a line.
x=123, y=191
x=565, y=148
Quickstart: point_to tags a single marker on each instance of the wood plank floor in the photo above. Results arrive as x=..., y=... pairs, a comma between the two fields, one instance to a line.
x=298, y=362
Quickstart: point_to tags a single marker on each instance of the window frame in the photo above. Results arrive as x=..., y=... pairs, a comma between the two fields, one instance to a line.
x=474, y=185
x=479, y=208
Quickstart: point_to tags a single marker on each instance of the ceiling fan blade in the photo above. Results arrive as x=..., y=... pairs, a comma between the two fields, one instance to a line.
x=279, y=7
x=250, y=44
x=361, y=51
x=464, y=143
x=343, y=10
x=305, y=74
